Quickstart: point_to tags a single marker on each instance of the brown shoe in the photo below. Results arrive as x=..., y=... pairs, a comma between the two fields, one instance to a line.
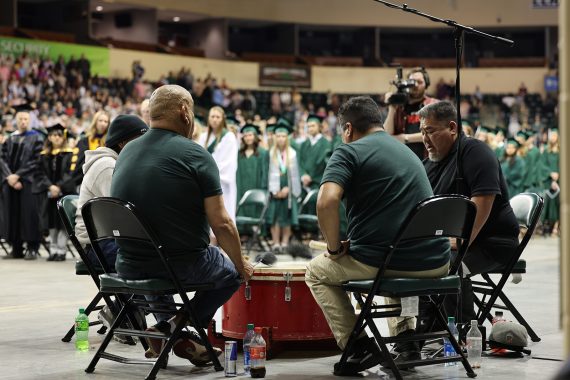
x=155, y=345
x=189, y=346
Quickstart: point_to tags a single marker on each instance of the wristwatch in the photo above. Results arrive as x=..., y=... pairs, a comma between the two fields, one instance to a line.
x=334, y=253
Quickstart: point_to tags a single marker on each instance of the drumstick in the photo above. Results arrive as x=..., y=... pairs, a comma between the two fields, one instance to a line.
x=318, y=245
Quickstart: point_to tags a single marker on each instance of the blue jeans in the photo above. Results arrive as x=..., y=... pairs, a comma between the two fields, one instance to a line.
x=211, y=266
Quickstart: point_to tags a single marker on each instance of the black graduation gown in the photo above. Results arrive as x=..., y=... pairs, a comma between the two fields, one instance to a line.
x=55, y=168
x=20, y=155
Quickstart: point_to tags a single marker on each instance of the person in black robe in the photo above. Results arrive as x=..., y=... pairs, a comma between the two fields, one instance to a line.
x=55, y=178
x=18, y=166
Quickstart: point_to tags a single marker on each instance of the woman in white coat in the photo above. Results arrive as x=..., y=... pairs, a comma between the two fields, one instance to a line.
x=223, y=146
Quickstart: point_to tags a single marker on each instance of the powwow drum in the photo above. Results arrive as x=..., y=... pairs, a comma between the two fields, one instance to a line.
x=278, y=299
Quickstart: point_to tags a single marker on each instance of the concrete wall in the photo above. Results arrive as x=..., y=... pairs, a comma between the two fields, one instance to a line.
x=144, y=27
x=210, y=36
x=337, y=79
x=480, y=13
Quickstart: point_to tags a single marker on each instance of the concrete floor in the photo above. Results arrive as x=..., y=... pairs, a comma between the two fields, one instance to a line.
x=40, y=299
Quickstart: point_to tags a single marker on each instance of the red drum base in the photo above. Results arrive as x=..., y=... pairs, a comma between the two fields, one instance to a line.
x=278, y=300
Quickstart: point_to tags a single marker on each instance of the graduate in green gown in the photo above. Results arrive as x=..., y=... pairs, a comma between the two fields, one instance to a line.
x=513, y=168
x=253, y=166
x=550, y=160
x=531, y=156
x=313, y=154
x=285, y=186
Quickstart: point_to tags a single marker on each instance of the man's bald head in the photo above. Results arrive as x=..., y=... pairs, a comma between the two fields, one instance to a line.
x=171, y=103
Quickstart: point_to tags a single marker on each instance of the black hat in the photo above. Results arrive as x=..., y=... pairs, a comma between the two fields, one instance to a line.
x=250, y=128
x=57, y=127
x=23, y=108
x=123, y=128
x=270, y=128
x=231, y=120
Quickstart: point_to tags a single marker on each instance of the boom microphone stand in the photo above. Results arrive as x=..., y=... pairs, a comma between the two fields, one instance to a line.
x=458, y=35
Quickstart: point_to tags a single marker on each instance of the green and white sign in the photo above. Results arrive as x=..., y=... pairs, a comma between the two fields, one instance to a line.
x=98, y=56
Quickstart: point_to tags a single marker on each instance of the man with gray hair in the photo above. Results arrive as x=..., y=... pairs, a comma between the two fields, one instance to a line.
x=495, y=232
x=175, y=184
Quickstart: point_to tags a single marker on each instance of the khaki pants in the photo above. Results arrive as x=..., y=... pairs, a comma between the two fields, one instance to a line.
x=325, y=276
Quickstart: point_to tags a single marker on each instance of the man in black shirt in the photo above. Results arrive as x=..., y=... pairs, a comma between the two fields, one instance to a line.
x=495, y=233
x=403, y=121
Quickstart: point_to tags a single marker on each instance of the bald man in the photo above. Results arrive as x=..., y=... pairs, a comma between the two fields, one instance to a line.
x=20, y=157
x=175, y=184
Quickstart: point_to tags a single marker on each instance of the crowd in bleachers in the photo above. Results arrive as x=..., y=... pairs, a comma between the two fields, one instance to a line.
x=65, y=100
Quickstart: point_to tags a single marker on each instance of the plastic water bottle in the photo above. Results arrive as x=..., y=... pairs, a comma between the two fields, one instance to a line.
x=448, y=349
x=474, y=345
x=82, y=331
x=247, y=338
x=257, y=355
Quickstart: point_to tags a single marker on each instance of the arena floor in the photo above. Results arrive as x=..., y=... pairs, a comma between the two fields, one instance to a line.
x=39, y=302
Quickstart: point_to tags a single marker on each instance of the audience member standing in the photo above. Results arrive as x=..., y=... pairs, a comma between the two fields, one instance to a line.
x=94, y=138
x=223, y=146
x=19, y=163
x=314, y=154
x=55, y=178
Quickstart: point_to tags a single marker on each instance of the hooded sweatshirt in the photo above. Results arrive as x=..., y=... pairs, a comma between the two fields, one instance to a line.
x=98, y=173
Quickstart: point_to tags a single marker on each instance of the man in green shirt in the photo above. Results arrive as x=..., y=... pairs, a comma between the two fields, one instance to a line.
x=381, y=182
x=175, y=185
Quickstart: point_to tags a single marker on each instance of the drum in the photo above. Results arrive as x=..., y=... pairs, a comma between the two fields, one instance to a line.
x=276, y=298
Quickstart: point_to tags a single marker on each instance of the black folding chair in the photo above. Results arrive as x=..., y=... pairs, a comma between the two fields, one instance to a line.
x=527, y=208
x=308, y=221
x=436, y=217
x=3, y=244
x=113, y=218
x=66, y=208
x=251, y=224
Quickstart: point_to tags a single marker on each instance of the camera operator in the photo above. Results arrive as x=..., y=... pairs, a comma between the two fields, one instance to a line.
x=402, y=120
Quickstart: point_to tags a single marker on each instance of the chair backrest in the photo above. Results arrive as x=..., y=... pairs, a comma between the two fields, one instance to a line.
x=254, y=197
x=527, y=208
x=112, y=218
x=436, y=217
x=309, y=204
x=66, y=208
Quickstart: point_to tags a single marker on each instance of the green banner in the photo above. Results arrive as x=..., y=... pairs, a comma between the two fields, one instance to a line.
x=98, y=56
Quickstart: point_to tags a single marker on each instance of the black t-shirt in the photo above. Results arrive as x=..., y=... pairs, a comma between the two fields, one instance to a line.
x=482, y=176
x=412, y=125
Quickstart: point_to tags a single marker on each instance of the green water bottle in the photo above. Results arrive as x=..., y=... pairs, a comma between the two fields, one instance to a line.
x=82, y=331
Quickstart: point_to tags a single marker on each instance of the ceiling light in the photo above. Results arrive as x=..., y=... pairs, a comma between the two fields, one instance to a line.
x=176, y=19
x=99, y=8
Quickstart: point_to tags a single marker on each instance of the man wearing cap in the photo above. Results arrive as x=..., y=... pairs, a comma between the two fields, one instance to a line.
x=175, y=184
x=313, y=154
x=98, y=172
x=20, y=158
x=495, y=232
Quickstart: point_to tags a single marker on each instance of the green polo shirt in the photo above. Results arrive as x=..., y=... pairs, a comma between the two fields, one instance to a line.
x=167, y=177
x=383, y=181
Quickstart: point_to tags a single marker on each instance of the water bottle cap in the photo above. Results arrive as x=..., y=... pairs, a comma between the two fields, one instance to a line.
x=450, y=319
x=258, y=330
x=81, y=310
x=250, y=326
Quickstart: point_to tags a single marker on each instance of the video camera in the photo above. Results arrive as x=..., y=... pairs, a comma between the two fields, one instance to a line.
x=402, y=94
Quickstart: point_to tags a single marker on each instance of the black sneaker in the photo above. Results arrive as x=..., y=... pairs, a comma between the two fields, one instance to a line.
x=404, y=351
x=52, y=257
x=59, y=257
x=31, y=255
x=366, y=355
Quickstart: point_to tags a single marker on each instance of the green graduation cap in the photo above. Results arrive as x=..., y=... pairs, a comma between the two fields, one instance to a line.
x=200, y=120
x=250, y=128
x=314, y=118
x=231, y=120
x=283, y=125
x=522, y=134
x=270, y=128
x=514, y=142
x=483, y=129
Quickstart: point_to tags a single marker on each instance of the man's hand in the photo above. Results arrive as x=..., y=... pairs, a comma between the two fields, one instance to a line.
x=306, y=180
x=12, y=179
x=246, y=272
x=18, y=186
x=344, y=246
x=54, y=191
x=284, y=192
